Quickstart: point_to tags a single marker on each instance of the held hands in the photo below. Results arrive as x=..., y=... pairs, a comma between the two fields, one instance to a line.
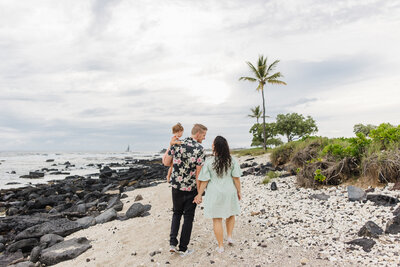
x=198, y=199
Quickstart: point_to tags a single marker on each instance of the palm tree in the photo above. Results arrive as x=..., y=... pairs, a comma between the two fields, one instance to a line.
x=263, y=75
x=256, y=113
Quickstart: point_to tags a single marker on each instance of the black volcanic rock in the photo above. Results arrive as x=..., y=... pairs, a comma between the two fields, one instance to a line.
x=370, y=229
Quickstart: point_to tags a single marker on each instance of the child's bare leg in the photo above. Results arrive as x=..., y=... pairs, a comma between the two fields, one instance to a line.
x=169, y=174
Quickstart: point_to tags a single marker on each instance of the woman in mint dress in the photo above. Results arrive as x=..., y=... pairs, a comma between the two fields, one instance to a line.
x=221, y=176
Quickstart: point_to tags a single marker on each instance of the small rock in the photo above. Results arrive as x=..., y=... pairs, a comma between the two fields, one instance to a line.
x=365, y=243
x=370, y=229
x=356, y=194
x=138, y=198
x=393, y=226
x=304, y=261
x=321, y=196
x=35, y=254
x=254, y=213
x=274, y=186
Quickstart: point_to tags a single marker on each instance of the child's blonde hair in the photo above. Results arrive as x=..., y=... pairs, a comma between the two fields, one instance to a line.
x=177, y=128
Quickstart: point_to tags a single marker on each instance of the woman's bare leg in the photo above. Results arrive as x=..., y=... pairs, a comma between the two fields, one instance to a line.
x=218, y=231
x=230, y=224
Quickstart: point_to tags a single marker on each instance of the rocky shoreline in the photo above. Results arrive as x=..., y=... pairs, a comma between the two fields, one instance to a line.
x=280, y=223
x=39, y=217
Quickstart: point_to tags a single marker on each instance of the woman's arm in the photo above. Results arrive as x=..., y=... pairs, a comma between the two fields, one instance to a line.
x=198, y=199
x=236, y=181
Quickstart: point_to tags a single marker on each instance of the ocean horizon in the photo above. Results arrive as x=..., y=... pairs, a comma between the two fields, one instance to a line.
x=14, y=164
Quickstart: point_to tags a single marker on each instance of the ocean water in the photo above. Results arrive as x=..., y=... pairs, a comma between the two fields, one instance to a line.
x=24, y=162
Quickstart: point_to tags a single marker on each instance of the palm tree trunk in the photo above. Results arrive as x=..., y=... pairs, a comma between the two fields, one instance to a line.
x=265, y=141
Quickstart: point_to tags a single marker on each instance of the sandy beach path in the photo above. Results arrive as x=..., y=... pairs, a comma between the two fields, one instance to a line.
x=132, y=242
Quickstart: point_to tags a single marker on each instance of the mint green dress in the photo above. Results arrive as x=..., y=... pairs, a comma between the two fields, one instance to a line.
x=221, y=199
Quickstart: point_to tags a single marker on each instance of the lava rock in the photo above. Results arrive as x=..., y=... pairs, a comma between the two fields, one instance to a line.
x=274, y=186
x=106, y=216
x=33, y=175
x=62, y=227
x=23, y=264
x=365, y=243
x=383, y=200
x=87, y=221
x=35, y=254
x=50, y=240
x=7, y=258
x=370, y=229
x=356, y=194
x=396, y=211
x=393, y=226
x=25, y=245
x=65, y=250
x=136, y=210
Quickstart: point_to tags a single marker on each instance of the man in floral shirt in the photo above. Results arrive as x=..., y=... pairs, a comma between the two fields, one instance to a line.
x=186, y=159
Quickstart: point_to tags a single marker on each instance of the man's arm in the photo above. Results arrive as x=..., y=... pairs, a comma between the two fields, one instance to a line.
x=198, y=169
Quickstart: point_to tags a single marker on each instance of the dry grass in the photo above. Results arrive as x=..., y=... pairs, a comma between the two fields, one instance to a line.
x=383, y=167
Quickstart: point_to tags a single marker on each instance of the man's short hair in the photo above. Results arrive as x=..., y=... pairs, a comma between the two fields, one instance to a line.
x=177, y=128
x=198, y=128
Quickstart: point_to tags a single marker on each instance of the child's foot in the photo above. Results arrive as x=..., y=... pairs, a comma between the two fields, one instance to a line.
x=231, y=242
x=220, y=249
x=172, y=249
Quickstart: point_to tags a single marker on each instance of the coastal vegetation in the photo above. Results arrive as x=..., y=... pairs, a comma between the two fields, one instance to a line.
x=263, y=74
x=291, y=125
x=373, y=153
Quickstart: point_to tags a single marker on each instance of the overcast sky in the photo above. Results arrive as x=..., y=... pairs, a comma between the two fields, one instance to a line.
x=99, y=75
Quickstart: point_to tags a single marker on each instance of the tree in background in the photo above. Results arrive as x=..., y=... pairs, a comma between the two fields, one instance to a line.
x=295, y=126
x=255, y=113
x=258, y=140
x=365, y=129
x=263, y=75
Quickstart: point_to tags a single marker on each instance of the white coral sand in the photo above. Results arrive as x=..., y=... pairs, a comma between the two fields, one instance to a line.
x=290, y=230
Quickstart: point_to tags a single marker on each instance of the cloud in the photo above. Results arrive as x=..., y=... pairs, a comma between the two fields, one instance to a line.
x=98, y=75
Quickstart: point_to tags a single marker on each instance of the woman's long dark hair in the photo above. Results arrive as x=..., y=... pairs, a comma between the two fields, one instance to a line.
x=223, y=159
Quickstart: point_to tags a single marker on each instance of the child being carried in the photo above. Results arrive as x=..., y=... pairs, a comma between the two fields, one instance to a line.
x=177, y=131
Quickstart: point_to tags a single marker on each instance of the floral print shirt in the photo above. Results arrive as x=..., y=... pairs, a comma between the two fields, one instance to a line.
x=185, y=158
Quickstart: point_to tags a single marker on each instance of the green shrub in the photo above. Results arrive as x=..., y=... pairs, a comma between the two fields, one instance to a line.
x=318, y=176
x=270, y=175
x=386, y=135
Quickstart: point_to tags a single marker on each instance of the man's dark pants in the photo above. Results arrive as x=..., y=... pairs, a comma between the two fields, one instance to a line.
x=182, y=205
